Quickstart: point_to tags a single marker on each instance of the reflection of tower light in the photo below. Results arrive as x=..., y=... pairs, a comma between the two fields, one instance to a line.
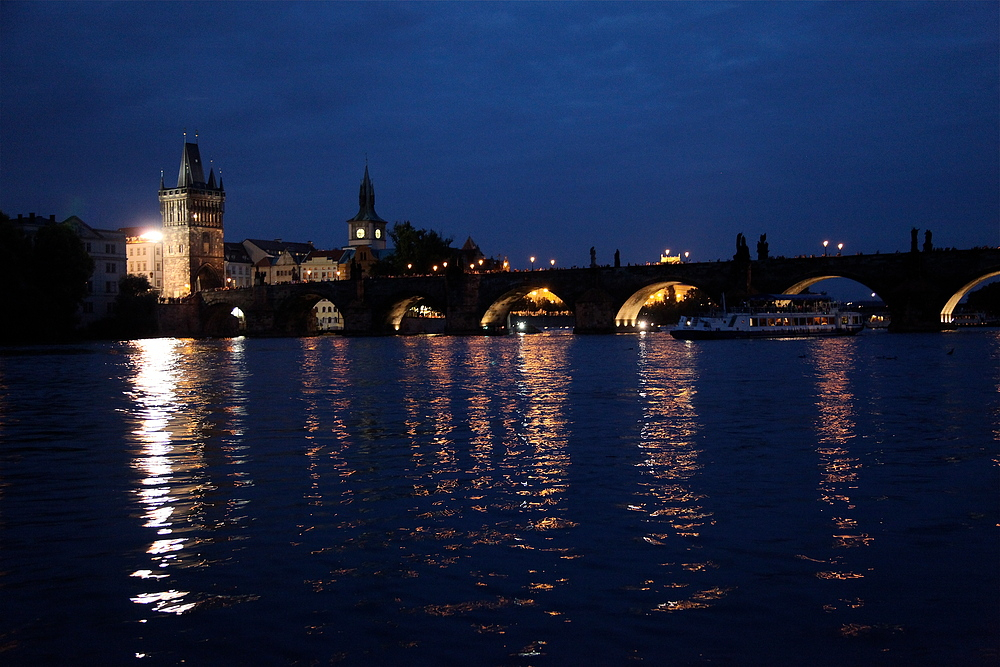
x=155, y=396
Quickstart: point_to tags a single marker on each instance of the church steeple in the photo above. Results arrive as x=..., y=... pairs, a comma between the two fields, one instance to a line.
x=367, y=228
x=366, y=202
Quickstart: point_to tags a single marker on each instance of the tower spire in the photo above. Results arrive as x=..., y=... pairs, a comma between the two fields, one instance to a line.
x=366, y=201
x=191, y=171
x=367, y=228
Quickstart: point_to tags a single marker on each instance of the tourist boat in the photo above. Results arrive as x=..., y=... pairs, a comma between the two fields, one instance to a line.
x=773, y=316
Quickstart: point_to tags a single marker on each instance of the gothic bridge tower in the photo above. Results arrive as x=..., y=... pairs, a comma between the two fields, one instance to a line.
x=193, y=250
x=366, y=228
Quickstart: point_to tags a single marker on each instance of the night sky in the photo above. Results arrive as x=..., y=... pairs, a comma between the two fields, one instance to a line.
x=539, y=129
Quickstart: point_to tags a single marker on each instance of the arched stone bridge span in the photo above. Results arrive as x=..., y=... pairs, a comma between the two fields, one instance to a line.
x=920, y=289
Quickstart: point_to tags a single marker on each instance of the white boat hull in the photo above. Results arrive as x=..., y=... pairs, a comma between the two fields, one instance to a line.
x=769, y=325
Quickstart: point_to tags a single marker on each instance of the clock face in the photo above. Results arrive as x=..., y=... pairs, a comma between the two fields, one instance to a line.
x=378, y=233
x=360, y=233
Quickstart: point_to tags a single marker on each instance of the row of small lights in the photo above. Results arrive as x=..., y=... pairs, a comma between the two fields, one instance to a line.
x=687, y=254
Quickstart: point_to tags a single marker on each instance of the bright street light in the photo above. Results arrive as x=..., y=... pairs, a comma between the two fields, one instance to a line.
x=825, y=244
x=553, y=263
x=532, y=260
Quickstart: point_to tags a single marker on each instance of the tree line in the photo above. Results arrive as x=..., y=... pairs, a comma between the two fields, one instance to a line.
x=45, y=282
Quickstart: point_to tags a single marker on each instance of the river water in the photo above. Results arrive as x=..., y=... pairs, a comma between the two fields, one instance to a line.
x=521, y=500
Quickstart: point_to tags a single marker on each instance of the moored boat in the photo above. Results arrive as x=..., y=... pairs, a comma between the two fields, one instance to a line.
x=773, y=316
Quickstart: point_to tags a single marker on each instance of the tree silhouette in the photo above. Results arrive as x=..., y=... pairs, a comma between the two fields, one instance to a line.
x=44, y=282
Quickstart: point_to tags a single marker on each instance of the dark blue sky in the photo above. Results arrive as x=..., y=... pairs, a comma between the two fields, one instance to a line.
x=538, y=129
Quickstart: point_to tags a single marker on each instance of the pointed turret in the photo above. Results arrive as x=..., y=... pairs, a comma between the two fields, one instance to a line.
x=211, y=179
x=366, y=202
x=190, y=172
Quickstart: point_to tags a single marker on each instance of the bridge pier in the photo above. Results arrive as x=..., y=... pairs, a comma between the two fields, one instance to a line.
x=595, y=313
x=913, y=309
x=358, y=320
x=462, y=311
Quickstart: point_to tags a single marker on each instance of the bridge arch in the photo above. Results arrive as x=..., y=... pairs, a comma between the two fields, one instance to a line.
x=295, y=314
x=806, y=283
x=220, y=320
x=207, y=278
x=949, y=307
x=495, y=316
x=395, y=310
x=628, y=313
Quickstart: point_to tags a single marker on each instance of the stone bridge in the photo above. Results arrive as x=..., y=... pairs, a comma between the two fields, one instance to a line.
x=920, y=290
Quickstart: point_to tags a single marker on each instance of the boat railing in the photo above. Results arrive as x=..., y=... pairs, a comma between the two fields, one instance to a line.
x=825, y=310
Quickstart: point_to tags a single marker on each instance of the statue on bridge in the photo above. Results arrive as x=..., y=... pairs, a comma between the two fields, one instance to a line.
x=913, y=239
x=742, y=249
x=762, y=248
x=593, y=258
x=928, y=246
x=618, y=259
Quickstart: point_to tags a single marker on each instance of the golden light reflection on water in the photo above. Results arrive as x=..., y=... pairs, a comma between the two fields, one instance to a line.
x=178, y=429
x=542, y=381
x=509, y=475
x=428, y=378
x=668, y=377
x=834, y=362
x=326, y=382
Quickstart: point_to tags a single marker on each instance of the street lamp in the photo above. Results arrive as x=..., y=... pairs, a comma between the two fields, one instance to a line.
x=532, y=260
x=840, y=246
x=825, y=244
x=552, y=262
x=687, y=253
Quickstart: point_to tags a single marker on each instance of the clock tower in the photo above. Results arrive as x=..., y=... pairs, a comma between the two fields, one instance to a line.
x=366, y=228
